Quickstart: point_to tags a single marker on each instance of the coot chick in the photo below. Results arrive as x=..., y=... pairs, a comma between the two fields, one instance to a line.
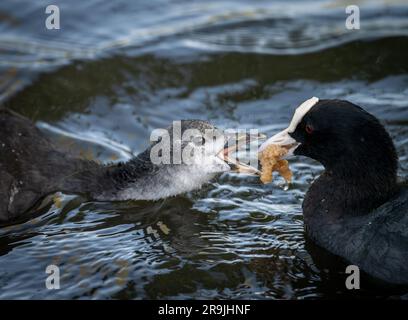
x=356, y=209
x=31, y=168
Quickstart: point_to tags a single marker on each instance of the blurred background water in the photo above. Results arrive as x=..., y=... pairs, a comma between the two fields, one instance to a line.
x=118, y=69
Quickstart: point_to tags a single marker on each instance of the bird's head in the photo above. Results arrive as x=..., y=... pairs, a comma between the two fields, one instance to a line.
x=198, y=145
x=182, y=158
x=342, y=136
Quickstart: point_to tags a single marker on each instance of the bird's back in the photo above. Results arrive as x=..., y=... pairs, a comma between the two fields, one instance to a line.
x=376, y=242
x=384, y=251
x=30, y=166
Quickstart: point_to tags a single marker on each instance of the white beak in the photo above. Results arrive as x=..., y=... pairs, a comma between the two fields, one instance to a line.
x=281, y=139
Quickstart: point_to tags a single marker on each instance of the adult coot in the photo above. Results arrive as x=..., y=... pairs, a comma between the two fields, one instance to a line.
x=356, y=208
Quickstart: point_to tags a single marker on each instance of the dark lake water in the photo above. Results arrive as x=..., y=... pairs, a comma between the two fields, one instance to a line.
x=118, y=69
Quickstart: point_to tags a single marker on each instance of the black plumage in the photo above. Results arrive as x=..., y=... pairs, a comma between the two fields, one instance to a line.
x=356, y=208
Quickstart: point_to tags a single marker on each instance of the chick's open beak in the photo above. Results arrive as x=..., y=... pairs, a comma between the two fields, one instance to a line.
x=282, y=139
x=235, y=164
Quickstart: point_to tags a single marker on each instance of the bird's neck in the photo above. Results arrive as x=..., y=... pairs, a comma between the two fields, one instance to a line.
x=107, y=181
x=133, y=179
x=342, y=191
x=358, y=180
x=137, y=179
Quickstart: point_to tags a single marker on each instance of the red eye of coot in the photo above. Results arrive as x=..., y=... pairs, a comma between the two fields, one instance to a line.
x=309, y=129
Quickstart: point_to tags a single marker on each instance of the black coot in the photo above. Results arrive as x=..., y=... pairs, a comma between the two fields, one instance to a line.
x=356, y=208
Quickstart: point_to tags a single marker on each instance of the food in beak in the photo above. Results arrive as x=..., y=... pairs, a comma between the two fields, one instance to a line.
x=271, y=160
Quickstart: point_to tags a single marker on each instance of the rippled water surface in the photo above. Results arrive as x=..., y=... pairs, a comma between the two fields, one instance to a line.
x=118, y=69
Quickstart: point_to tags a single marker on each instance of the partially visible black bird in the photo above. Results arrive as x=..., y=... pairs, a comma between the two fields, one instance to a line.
x=356, y=209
